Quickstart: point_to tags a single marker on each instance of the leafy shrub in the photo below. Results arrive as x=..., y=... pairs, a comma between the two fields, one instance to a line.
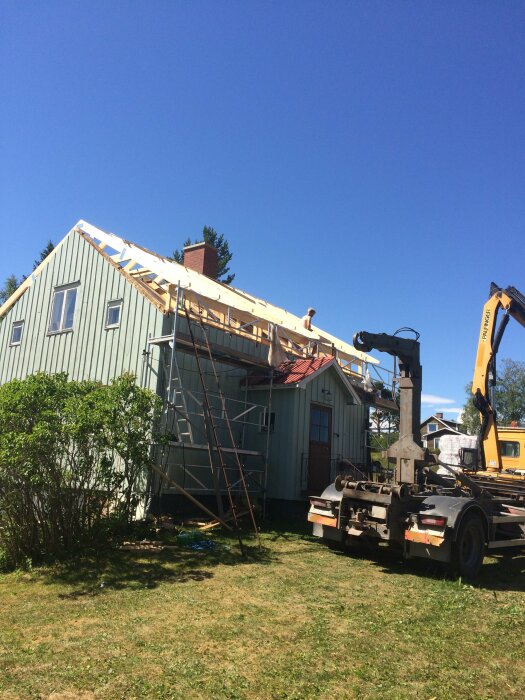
x=71, y=454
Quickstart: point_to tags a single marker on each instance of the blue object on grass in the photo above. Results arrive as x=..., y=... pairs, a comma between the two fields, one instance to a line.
x=195, y=540
x=203, y=545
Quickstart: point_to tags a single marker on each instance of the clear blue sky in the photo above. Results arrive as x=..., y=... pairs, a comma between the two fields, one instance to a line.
x=366, y=158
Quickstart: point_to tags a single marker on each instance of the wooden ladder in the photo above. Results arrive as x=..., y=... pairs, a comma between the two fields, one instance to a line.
x=215, y=448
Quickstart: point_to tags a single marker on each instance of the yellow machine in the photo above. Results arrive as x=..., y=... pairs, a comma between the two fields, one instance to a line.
x=512, y=303
x=454, y=520
x=512, y=449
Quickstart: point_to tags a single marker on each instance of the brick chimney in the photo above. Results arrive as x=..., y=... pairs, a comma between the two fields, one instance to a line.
x=201, y=257
x=439, y=415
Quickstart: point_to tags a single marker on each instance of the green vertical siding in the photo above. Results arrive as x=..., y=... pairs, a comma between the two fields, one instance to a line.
x=289, y=443
x=282, y=458
x=89, y=350
x=348, y=436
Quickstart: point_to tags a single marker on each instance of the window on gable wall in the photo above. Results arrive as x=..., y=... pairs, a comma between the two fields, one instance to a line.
x=113, y=313
x=63, y=308
x=432, y=427
x=17, y=330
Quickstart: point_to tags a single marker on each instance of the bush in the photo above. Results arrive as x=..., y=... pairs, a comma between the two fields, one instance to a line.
x=71, y=454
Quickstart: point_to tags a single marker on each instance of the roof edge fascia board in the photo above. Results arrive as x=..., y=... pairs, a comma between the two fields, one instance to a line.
x=304, y=382
x=347, y=383
x=437, y=433
x=148, y=294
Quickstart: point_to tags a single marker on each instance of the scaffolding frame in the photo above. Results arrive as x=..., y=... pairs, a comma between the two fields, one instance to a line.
x=209, y=406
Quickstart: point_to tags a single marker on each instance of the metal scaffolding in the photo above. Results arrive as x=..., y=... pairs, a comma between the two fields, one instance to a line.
x=206, y=422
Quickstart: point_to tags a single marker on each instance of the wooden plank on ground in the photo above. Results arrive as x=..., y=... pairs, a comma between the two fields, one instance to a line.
x=188, y=495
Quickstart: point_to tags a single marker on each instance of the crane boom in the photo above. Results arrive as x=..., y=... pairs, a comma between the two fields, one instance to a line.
x=512, y=303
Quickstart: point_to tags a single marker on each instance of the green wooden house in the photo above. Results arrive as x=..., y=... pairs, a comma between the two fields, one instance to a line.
x=286, y=401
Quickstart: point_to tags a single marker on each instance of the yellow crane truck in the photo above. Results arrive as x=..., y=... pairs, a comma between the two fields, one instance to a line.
x=511, y=441
x=454, y=519
x=501, y=306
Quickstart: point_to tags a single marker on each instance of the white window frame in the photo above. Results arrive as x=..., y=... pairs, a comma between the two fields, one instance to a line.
x=15, y=326
x=59, y=290
x=432, y=429
x=113, y=304
x=263, y=421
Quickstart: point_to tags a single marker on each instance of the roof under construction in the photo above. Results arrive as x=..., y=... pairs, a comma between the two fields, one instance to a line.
x=159, y=278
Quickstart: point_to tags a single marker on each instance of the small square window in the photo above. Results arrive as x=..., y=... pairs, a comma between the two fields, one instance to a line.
x=263, y=421
x=63, y=309
x=113, y=313
x=16, y=333
x=432, y=427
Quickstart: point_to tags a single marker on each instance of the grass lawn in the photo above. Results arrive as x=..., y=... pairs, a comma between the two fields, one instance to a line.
x=293, y=619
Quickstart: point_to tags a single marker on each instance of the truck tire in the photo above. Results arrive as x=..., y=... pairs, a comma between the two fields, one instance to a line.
x=469, y=547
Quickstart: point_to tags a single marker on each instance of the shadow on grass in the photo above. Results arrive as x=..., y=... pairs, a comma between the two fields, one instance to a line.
x=96, y=572
x=293, y=527
x=498, y=573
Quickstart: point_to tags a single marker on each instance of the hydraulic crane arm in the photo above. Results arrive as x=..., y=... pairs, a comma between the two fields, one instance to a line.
x=406, y=349
x=512, y=303
x=407, y=450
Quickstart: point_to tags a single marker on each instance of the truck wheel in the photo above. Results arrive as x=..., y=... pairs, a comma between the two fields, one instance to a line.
x=469, y=547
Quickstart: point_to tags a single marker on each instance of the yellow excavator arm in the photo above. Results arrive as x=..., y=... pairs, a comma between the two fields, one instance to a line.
x=512, y=303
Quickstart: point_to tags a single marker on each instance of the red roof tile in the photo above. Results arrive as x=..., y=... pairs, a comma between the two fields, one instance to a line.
x=293, y=372
x=290, y=372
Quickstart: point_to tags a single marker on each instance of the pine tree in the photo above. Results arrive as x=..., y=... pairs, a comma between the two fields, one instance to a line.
x=12, y=282
x=43, y=254
x=10, y=286
x=210, y=235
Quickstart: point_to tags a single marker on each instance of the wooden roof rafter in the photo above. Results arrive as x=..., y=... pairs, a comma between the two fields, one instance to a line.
x=220, y=305
x=216, y=292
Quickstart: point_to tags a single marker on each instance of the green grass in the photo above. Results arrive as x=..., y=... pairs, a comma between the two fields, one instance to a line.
x=294, y=619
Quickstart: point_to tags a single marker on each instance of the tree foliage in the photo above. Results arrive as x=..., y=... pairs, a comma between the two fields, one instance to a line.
x=509, y=397
x=470, y=420
x=210, y=235
x=510, y=392
x=10, y=286
x=12, y=282
x=72, y=456
x=381, y=420
x=43, y=254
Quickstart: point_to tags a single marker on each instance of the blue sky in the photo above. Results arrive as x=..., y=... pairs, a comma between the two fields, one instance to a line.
x=365, y=158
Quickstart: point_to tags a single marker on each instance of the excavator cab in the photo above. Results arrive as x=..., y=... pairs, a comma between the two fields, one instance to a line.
x=469, y=458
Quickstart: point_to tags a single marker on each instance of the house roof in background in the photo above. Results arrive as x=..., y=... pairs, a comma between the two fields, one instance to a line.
x=446, y=430
x=444, y=421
